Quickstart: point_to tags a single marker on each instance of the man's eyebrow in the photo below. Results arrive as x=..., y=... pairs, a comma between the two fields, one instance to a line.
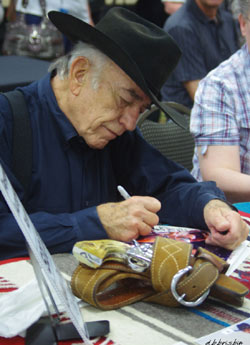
x=133, y=93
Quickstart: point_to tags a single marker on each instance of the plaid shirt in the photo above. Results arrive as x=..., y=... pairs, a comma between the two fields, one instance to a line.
x=221, y=112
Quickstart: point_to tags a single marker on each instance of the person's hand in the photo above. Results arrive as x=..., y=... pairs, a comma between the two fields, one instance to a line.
x=127, y=220
x=227, y=228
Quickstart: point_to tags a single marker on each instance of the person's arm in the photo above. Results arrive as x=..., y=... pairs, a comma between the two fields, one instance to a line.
x=191, y=87
x=58, y=231
x=137, y=216
x=222, y=165
x=184, y=201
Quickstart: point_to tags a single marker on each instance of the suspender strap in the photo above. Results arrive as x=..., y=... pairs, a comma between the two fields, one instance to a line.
x=22, y=139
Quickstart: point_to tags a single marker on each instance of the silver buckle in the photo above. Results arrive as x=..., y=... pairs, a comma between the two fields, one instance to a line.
x=180, y=299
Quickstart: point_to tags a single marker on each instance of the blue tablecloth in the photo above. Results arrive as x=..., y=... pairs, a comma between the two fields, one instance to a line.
x=243, y=206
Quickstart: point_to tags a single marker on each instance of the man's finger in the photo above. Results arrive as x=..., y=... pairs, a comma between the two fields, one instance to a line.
x=144, y=229
x=150, y=203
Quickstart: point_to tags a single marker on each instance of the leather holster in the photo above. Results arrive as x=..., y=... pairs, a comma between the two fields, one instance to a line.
x=114, y=284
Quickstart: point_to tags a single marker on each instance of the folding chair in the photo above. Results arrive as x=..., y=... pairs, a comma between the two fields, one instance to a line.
x=171, y=140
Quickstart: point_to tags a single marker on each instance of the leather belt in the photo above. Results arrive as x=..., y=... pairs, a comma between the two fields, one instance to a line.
x=174, y=277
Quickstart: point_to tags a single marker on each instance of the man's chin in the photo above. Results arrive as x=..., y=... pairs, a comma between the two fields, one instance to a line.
x=99, y=145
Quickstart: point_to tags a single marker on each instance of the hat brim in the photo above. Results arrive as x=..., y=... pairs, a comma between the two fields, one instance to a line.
x=173, y=114
x=77, y=30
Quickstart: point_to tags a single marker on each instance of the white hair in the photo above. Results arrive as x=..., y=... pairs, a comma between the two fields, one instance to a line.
x=243, y=7
x=96, y=58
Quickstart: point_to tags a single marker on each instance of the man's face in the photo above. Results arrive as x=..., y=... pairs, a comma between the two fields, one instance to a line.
x=107, y=112
x=209, y=3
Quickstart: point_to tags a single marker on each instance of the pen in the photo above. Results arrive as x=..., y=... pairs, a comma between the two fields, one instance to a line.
x=123, y=192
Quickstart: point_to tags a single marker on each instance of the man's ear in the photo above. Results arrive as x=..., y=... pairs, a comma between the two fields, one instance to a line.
x=242, y=22
x=78, y=72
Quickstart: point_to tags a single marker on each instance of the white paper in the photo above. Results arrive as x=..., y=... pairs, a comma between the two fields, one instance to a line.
x=232, y=335
x=21, y=308
x=238, y=256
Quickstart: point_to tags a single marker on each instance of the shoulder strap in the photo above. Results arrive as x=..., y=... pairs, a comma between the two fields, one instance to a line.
x=22, y=139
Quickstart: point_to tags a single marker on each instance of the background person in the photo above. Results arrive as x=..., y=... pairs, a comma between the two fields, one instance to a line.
x=171, y=6
x=1, y=12
x=85, y=143
x=2, y=25
x=233, y=7
x=77, y=8
x=220, y=121
x=206, y=35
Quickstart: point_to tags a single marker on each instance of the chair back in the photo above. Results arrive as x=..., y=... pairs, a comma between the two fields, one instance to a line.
x=171, y=140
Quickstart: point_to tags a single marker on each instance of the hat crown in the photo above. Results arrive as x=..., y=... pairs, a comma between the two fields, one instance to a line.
x=153, y=51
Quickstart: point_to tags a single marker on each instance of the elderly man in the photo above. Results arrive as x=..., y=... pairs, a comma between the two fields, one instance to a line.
x=85, y=143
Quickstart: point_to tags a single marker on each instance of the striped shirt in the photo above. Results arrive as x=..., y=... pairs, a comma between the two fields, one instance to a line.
x=221, y=112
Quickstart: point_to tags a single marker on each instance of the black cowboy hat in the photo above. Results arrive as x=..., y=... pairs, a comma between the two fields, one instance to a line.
x=140, y=48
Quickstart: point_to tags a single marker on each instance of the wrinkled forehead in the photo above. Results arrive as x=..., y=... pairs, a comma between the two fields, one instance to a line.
x=124, y=82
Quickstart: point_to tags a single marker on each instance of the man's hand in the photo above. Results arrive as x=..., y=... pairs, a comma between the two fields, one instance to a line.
x=127, y=220
x=227, y=228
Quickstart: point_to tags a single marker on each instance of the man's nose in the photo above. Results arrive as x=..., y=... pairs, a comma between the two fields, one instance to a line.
x=129, y=118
